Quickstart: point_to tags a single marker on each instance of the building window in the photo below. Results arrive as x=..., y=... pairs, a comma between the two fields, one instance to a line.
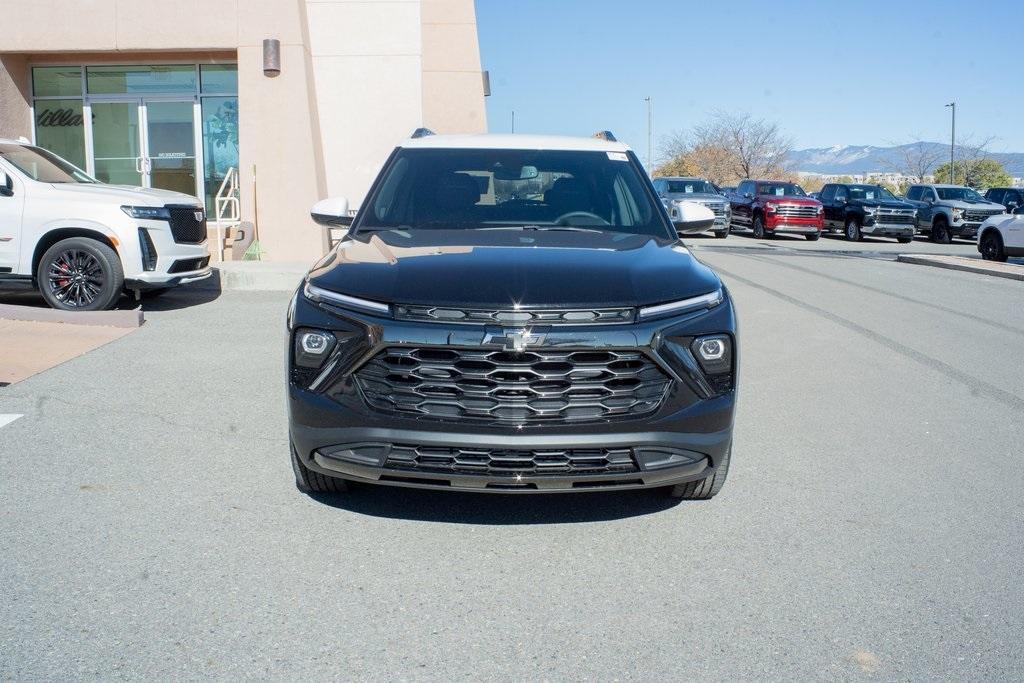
x=141, y=79
x=60, y=129
x=218, y=78
x=220, y=143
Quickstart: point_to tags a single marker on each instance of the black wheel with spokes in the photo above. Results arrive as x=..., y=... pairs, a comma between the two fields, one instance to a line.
x=940, y=232
x=80, y=274
x=992, y=246
x=758, y=227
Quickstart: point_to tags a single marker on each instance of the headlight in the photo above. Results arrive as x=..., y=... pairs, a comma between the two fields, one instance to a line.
x=148, y=213
x=821, y=210
x=714, y=353
x=321, y=295
x=312, y=347
x=957, y=213
x=870, y=210
x=770, y=208
x=703, y=301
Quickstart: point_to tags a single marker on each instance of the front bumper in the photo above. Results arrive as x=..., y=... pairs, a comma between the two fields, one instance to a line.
x=889, y=229
x=334, y=431
x=793, y=224
x=965, y=229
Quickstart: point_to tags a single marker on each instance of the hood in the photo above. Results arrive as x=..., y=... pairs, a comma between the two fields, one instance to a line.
x=695, y=197
x=972, y=206
x=886, y=203
x=125, y=194
x=498, y=268
x=802, y=201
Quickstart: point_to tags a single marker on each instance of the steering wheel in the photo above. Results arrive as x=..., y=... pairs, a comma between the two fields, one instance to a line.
x=567, y=218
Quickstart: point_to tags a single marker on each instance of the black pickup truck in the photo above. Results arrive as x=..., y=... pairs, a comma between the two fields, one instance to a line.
x=860, y=210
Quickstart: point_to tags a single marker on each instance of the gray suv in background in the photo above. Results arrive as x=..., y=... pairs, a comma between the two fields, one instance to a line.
x=700, y=191
x=947, y=211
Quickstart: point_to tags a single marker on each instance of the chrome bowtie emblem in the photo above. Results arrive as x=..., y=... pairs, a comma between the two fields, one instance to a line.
x=514, y=340
x=199, y=215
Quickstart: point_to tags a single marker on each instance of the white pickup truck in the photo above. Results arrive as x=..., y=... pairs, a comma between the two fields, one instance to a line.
x=84, y=243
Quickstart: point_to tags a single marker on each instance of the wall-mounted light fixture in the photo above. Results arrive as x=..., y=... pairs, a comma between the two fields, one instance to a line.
x=271, y=57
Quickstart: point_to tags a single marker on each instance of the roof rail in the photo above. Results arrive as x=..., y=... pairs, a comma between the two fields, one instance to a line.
x=605, y=135
x=421, y=133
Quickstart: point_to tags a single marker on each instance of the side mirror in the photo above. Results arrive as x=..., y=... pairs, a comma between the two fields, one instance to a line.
x=690, y=218
x=331, y=211
x=6, y=185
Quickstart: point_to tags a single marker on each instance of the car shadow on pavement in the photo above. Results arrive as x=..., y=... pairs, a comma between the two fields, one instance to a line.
x=458, y=507
x=184, y=296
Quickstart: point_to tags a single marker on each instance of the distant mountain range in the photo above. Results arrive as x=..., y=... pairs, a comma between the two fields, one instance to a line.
x=851, y=159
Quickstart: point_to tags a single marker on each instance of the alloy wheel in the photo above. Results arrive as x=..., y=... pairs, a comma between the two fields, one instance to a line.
x=75, y=278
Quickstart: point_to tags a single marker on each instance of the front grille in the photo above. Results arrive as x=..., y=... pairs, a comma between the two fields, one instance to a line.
x=978, y=215
x=796, y=211
x=507, y=462
x=185, y=227
x=895, y=216
x=189, y=264
x=717, y=208
x=542, y=386
x=587, y=316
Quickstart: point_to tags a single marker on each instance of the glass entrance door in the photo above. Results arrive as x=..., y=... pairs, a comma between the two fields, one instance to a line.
x=117, y=142
x=146, y=142
x=170, y=159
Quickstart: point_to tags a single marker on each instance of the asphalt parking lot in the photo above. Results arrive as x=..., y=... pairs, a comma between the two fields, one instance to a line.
x=871, y=526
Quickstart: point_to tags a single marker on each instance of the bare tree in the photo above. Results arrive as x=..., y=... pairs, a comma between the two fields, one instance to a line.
x=916, y=159
x=730, y=147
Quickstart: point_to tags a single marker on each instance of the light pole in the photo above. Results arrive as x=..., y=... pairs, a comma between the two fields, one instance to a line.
x=952, y=142
x=513, y=120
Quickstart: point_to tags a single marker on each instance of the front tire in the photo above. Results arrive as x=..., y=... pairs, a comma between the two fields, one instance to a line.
x=813, y=237
x=704, y=489
x=940, y=232
x=80, y=274
x=992, y=247
x=722, y=234
x=308, y=481
x=758, y=227
x=904, y=240
x=852, y=232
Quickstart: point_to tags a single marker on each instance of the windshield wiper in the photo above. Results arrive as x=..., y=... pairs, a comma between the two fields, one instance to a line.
x=543, y=228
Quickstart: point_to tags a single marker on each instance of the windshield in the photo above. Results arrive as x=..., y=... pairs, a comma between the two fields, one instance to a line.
x=39, y=164
x=522, y=189
x=781, y=189
x=959, y=193
x=690, y=187
x=870, y=192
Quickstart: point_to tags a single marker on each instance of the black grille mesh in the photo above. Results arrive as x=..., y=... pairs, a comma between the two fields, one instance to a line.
x=548, y=385
x=554, y=316
x=185, y=228
x=507, y=462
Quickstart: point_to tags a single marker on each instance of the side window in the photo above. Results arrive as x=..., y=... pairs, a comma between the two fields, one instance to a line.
x=745, y=187
x=927, y=193
x=828, y=193
x=841, y=193
x=659, y=186
x=914, y=193
x=1015, y=197
x=995, y=196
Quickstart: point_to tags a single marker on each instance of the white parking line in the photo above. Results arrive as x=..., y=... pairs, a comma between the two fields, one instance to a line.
x=8, y=418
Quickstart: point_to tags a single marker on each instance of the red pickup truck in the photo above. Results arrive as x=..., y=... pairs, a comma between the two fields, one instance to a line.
x=769, y=207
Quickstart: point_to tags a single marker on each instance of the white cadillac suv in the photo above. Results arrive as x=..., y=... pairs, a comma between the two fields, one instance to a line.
x=84, y=243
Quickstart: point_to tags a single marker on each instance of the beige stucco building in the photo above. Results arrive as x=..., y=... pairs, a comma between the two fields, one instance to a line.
x=173, y=93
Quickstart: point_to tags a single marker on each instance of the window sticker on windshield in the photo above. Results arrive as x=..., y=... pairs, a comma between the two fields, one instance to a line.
x=618, y=156
x=780, y=191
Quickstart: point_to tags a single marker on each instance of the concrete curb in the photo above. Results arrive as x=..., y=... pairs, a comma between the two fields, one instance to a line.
x=1005, y=270
x=33, y=314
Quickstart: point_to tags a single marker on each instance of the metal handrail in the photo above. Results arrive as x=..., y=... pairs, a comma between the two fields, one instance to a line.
x=227, y=207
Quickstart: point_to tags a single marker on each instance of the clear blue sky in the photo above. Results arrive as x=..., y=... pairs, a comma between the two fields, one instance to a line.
x=845, y=73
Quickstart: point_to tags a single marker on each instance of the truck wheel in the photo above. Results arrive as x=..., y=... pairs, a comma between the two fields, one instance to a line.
x=80, y=274
x=308, y=481
x=992, y=247
x=904, y=240
x=704, y=489
x=940, y=232
x=722, y=234
x=758, y=227
x=853, y=230
x=813, y=237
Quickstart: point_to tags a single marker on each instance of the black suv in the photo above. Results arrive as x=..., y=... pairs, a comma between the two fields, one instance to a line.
x=1010, y=197
x=860, y=210
x=511, y=314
